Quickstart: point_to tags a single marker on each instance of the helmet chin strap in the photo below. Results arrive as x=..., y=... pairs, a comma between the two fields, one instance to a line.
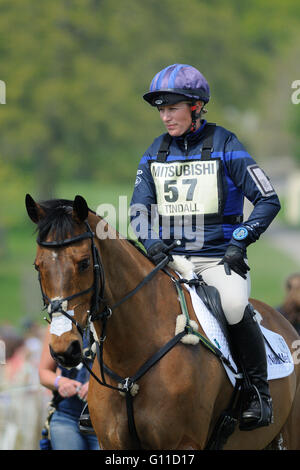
x=195, y=116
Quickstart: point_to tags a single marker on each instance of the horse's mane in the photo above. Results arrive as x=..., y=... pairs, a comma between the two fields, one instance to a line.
x=59, y=221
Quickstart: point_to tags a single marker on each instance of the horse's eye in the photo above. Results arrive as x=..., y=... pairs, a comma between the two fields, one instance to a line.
x=83, y=265
x=36, y=267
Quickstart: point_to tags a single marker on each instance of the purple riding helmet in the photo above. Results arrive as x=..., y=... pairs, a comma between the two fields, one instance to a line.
x=179, y=82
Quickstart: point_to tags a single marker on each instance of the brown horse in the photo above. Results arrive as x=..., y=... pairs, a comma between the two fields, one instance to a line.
x=181, y=397
x=291, y=305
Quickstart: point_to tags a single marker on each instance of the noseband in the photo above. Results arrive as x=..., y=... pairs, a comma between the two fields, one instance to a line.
x=98, y=284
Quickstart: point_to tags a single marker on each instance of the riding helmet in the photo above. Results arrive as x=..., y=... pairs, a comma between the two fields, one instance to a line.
x=177, y=82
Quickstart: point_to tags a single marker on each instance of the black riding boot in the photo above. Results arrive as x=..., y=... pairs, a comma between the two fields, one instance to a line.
x=85, y=424
x=249, y=349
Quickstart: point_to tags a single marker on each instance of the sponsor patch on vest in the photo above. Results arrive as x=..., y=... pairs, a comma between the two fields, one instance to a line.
x=261, y=180
x=186, y=188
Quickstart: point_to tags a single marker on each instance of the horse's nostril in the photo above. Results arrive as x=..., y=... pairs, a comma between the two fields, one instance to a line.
x=60, y=359
x=74, y=350
x=71, y=357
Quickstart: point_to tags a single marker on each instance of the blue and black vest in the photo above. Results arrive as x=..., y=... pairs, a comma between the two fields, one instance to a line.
x=192, y=188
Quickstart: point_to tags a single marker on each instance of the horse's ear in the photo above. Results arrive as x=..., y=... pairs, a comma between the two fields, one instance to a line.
x=34, y=210
x=80, y=209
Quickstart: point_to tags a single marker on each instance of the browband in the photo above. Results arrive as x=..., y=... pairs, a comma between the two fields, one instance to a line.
x=67, y=241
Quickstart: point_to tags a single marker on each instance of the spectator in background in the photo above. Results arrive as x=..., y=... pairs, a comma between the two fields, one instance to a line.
x=70, y=389
x=291, y=305
x=22, y=352
x=15, y=353
x=33, y=334
x=12, y=339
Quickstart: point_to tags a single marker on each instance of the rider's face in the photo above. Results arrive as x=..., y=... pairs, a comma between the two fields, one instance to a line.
x=177, y=118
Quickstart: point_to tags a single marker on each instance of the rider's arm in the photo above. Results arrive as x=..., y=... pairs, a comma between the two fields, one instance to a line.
x=143, y=203
x=47, y=366
x=255, y=185
x=49, y=373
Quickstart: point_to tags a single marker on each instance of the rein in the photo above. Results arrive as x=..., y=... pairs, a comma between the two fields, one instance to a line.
x=126, y=385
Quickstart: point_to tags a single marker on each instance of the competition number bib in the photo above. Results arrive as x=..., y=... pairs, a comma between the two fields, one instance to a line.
x=186, y=188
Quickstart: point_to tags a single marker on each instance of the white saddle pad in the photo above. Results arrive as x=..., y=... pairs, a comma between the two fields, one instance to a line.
x=279, y=358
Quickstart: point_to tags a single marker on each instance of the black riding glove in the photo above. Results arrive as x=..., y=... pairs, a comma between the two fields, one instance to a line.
x=234, y=260
x=158, y=251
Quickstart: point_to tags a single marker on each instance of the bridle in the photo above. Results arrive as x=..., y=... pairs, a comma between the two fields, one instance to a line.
x=125, y=385
x=56, y=305
x=97, y=287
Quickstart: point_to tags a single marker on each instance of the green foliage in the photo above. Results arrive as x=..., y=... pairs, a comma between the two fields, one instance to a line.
x=76, y=71
x=269, y=270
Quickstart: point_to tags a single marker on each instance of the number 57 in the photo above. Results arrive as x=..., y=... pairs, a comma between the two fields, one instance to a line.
x=172, y=192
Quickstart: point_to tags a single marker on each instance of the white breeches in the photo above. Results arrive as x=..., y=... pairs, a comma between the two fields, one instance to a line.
x=234, y=290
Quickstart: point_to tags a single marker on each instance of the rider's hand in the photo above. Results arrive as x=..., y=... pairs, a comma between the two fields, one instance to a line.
x=158, y=251
x=68, y=387
x=234, y=260
x=83, y=391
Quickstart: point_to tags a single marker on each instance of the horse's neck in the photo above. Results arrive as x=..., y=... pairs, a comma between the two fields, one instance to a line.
x=135, y=326
x=124, y=267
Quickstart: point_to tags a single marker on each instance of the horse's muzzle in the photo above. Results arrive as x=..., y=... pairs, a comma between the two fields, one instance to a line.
x=71, y=357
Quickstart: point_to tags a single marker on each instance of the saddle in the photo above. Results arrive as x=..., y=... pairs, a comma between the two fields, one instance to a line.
x=211, y=298
x=208, y=294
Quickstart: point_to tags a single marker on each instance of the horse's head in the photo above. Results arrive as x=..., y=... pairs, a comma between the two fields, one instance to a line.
x=65, y=260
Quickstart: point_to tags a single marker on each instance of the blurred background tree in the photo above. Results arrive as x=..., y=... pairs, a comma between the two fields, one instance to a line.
x=75, y=72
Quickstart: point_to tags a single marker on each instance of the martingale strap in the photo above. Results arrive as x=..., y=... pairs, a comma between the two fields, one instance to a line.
x=126, y=384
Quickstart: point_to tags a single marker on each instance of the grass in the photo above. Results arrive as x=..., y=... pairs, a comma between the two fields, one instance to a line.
x=269, y=269
x=19, y=289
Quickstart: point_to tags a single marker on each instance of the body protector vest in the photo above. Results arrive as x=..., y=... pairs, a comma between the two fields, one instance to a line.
x=194, y=187
x=191, y=187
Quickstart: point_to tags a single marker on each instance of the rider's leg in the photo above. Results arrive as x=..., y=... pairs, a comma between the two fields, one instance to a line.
x=249, y=347
x=234, y=290
x=246, y=336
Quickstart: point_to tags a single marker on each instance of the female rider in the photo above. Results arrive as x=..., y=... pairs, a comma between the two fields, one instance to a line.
x=197, y=175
